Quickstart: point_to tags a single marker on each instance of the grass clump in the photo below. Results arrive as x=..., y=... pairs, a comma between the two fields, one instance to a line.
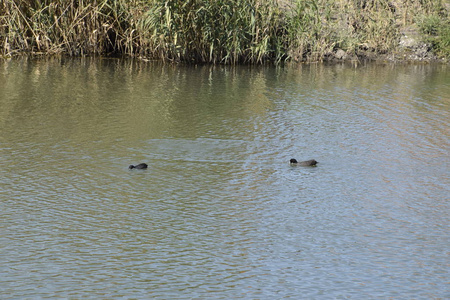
x=436, y=32
x=73, y=27
x=225, y=31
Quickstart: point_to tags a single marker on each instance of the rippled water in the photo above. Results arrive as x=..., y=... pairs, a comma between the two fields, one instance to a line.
x=220, y=213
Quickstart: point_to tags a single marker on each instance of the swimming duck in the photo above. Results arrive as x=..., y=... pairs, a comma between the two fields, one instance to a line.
x=139, y=166
x=308, y=163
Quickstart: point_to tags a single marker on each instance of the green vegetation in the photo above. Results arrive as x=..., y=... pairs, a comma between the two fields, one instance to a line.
x=213, y=31
x=436, y=32
x=219, y=31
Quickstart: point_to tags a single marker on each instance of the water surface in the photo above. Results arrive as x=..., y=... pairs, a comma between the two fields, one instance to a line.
x=220, y=214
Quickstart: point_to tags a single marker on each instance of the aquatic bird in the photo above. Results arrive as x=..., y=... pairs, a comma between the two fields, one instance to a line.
x=139, y=166
x=306, y=163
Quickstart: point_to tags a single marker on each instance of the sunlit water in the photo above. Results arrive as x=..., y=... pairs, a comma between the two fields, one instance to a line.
x=220, y=213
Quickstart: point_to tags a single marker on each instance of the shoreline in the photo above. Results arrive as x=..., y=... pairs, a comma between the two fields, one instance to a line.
x=336, y=57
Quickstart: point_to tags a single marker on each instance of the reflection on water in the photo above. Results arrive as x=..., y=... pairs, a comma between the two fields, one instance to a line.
x=220, y=213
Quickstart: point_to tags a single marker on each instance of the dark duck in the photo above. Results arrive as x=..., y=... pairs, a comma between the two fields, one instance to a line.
x=306, y=163
x=139, y=166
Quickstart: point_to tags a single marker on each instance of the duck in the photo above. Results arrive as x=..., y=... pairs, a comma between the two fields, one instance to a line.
x=139, y=166
x=306, y=163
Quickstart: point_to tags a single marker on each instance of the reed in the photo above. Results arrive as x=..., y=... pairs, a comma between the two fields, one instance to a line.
x=217, y=31
x=73, y=27
x=225, y=31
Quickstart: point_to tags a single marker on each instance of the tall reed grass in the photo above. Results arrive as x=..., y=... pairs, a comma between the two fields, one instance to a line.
x=215, y=31
x=73, y=27
x=225, y=31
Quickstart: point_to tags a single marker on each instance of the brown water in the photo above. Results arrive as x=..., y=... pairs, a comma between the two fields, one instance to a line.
x=220, y=214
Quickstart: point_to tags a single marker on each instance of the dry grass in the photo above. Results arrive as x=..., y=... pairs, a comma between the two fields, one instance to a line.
x=215, y=31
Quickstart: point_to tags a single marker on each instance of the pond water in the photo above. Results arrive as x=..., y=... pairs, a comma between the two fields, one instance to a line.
x=220, y=213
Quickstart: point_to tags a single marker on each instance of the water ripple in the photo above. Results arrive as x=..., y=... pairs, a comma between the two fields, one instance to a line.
x=220, y=213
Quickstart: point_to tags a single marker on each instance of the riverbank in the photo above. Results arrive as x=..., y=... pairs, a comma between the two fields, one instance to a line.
x=230, y=31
